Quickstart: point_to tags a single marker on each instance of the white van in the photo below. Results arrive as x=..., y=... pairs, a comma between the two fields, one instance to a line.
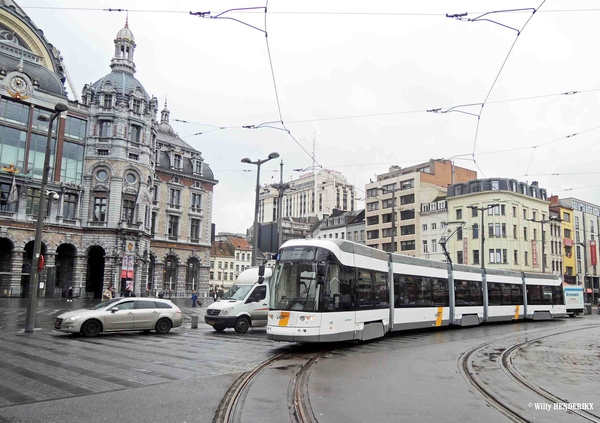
x=573, y=299
x=245, y=304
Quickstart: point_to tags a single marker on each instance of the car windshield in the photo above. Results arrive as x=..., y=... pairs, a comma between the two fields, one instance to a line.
x=237, y=292
x=104, y=304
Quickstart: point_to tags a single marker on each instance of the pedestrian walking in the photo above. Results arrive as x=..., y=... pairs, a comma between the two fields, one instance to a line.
x=70, y=295
x=106, y=295
x=194, y=298
x=215, y=296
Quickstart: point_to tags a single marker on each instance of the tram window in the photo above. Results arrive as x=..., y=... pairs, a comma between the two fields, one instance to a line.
x=380, y=290
x=476, y=293
x=494, y=294
x=506, y=294
x=404, y=291
x=558, y=295
x=439, y=288
x=461, y=293
x=424, y=292
x=517, y=294
x=534, y=295
x=364, y=289
x=331, y=288
x=546, y=295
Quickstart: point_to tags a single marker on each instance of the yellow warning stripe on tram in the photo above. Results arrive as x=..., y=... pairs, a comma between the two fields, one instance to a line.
x=517, y=313
x=438, y=320
x=284, y=318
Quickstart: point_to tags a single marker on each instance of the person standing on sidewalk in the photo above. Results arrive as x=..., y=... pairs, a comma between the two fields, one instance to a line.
x=70, y=295
x=194, y=298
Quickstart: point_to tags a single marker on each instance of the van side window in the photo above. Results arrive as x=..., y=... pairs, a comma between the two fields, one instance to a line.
x=261, y=291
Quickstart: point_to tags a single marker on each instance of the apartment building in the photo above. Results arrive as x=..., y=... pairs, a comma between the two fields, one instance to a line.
x=514, y=216
x=402, y=191
x=333, y=192
x=586, y=221
x=434, y=229
x=342, y=225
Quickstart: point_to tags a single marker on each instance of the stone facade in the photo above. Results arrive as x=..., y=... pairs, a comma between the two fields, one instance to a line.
x=133, y=201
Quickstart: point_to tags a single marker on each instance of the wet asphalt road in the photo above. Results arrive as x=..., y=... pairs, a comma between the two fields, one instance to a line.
x=181, y=377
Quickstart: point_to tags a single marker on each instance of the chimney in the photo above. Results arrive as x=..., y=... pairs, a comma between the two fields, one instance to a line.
x=534, y=183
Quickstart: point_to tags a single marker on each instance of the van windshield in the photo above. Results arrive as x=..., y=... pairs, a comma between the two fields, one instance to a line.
x=237, y=292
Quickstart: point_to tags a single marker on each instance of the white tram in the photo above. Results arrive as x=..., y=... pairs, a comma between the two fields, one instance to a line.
x=335, y=290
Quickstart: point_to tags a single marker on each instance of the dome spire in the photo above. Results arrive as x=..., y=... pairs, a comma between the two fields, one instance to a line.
x=164, y=115
x=124, y=49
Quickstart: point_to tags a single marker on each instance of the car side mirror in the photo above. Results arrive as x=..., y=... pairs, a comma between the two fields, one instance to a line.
x=114, y=309
x=261, y=274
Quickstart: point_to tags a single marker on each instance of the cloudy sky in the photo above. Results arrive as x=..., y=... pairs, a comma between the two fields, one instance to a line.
x=360, y=78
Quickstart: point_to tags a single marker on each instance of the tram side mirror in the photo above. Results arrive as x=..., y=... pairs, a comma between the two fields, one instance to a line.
x=321, y=272
x=261, y=274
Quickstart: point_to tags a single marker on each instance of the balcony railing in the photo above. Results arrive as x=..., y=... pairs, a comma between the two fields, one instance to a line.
x=174, y=206
x=173, y=237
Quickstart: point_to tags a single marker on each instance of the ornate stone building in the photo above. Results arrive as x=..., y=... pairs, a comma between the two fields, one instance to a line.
x=133, y=200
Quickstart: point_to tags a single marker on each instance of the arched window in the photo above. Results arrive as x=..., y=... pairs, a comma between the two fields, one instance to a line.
x=170, y=274
x=191, y=277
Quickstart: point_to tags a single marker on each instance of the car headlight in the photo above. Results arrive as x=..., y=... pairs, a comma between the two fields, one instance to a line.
x=73, y=318
x=226, y=311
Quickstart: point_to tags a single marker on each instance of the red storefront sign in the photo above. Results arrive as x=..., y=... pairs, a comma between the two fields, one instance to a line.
x=534, y=255
x=593, y=257
x=568, y=242
x=465, y=251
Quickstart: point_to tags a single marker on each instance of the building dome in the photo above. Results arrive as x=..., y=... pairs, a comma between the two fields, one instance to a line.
x=125, y=34
x=124, y=83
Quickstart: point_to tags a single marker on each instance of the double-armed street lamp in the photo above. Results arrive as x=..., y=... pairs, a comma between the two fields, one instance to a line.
x=34, y=272
x=393, y=192
x=482, y=209
x=272, y=156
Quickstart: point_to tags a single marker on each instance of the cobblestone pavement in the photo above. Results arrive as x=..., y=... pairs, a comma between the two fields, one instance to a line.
x=48, y=365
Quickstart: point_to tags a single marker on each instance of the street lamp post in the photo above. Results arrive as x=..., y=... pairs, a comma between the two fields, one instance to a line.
x=255, y=228
x=542, y=222
x=482, y=209
x=585, y=269
x=281, y=187
x=34, y=275
x=393, y=192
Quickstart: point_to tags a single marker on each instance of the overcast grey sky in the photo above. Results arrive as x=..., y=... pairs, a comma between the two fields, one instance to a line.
x=385, y=61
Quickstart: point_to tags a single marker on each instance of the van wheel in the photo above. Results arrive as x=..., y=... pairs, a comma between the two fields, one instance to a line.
x=241, y=325
x=219, y=328
x=163, y=326
x=91, y=328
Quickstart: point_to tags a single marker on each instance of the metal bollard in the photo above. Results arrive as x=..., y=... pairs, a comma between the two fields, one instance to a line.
x=194, y=322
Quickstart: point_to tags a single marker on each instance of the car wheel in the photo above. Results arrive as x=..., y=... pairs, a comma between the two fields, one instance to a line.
x=219, y=328
x=241, y=325
x=91, y=328
x=163, y=326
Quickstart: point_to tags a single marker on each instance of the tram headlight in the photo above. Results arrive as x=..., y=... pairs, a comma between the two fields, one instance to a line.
x=308, y=318
x=270, y=316
x=226, y=311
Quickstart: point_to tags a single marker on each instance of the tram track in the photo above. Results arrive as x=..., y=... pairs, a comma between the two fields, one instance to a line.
x=505, y=362
x=299, y=409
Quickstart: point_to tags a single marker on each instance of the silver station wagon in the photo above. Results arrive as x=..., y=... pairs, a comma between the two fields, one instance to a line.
x=119, y=314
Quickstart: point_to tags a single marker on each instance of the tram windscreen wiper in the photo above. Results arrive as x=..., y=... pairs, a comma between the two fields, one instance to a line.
x=306, y=290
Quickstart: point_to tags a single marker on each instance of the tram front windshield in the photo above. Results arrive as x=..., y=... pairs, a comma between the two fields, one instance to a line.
x=295, y=280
